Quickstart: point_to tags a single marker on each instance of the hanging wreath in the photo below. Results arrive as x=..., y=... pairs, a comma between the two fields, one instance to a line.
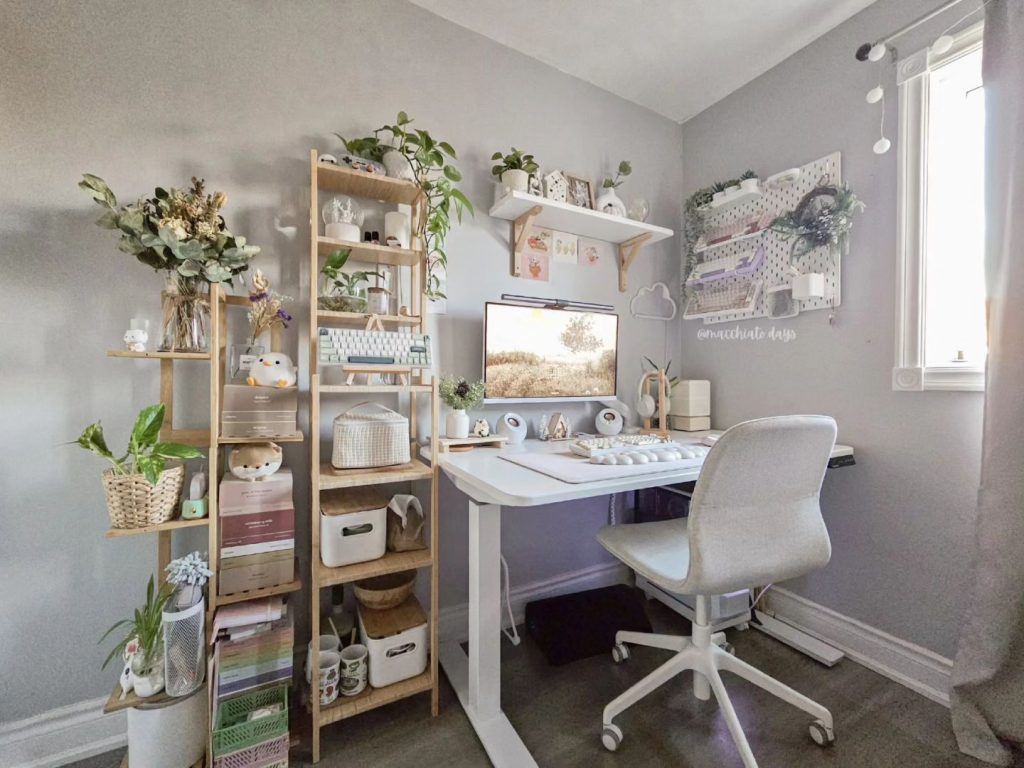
x=823, y=217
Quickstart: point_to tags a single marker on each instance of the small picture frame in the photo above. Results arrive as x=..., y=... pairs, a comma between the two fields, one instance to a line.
x=579, y=191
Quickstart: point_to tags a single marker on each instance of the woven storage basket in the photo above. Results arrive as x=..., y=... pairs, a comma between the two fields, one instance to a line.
x=364, y=440
x=387, y=591
x=133, y=503
x=233, y=733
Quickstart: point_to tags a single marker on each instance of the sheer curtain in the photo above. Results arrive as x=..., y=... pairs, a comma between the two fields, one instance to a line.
x=988, y=676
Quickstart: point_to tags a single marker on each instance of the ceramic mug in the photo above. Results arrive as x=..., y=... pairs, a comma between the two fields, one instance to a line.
x=327, y=643
x=330, y=662
x=354, y=668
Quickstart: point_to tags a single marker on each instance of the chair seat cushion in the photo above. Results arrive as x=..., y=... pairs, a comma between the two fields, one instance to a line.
x=658, y=551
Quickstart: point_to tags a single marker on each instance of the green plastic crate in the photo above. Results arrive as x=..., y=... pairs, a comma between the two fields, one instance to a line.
x=232, y=732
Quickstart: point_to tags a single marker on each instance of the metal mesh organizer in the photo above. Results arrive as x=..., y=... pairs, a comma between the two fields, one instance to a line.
x=185, y=649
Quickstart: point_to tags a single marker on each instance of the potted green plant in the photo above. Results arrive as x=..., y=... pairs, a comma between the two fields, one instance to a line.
x=140, y=488
x=343, y=291
x=142, y=645
x=459, y=395
x=514, y=169
x=749, y=182
x=425, y=158
x=609, y=202
x=182, y=233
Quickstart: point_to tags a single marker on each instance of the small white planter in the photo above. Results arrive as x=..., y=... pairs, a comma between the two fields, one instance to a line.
x=809, y=286
x=610, y=203
x=397, y=166
x=750, y=185
x=341, y=231
x=516, y=181
x=732, y=190
x=718, y=196
x=457, y=424
x=150, y=683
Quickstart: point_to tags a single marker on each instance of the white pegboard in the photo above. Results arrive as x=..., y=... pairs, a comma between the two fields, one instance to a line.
x=773, y=270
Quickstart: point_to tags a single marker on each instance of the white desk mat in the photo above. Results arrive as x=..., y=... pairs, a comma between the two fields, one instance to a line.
x=570, y=468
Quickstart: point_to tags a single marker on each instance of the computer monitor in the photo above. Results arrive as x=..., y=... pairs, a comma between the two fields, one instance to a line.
x=547, y=353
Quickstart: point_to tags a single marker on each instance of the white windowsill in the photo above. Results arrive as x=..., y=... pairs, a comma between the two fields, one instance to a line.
x=945, y=378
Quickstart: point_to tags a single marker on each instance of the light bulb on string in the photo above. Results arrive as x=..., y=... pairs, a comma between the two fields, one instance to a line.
x=877, y=52
x=942, y=44
x=881, y=146
x=875, y=95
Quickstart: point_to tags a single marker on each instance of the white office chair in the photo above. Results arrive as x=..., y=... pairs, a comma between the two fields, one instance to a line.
x=754, y=519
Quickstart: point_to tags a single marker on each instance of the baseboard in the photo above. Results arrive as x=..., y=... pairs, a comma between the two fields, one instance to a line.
x=61, y=736
x=919, y=669
x=453, y=621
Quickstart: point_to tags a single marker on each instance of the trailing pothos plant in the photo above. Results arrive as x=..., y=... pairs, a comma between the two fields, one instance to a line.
x=436, y=178
x=145, y=632
x=145, y=453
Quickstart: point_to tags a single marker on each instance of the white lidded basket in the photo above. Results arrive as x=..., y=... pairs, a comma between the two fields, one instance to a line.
x=365, y=439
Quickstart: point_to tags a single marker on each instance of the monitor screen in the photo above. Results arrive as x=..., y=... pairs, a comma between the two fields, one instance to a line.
x=536, y=353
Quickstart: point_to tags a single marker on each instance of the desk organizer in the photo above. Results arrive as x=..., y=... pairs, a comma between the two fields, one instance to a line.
x=761, y=281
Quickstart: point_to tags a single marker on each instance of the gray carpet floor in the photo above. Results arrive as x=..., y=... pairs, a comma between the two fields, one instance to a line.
x=557, y=711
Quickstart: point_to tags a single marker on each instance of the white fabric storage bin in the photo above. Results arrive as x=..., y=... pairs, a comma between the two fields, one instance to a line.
x=396, y=640
x=363, y=440
x=170, y=734
x=353, y=526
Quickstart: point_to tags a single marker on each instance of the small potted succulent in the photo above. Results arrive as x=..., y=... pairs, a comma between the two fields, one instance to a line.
x=749, y=182
x=343, y=291
x=142, y=645
x=609, y=202
x=459, y=395
x=188, y=575
x=140, y=488
x=514, y=169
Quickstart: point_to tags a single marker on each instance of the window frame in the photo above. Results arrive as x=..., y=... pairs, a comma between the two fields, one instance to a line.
x=912, y=78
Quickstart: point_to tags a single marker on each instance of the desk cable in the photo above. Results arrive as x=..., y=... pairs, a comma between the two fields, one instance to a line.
x=513, y=635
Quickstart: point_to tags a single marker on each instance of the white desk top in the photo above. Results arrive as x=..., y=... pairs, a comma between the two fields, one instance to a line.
x=483, y=476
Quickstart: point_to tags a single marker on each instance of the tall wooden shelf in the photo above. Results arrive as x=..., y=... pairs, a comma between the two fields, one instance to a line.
x=210, y=439
x=331, y=179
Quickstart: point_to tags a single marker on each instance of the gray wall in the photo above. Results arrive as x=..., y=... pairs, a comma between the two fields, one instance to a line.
x=901, y=520
x=238, y=93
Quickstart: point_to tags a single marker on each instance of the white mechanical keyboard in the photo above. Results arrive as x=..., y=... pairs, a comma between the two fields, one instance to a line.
x=350, y=346
x=668, y=452
x=588, y=447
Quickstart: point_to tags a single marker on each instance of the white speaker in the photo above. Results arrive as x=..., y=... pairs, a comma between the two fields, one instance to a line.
x=512, y=426
x=608, y=422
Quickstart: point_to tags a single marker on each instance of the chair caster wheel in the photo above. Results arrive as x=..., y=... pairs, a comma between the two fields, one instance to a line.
x=611, y=737
x=620, y=653
x=728, y=648
x=822, y=735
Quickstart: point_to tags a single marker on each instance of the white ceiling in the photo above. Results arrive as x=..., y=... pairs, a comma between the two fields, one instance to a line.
x=676, y=57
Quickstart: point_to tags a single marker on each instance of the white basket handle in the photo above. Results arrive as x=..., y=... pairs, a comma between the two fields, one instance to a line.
x=366, y=402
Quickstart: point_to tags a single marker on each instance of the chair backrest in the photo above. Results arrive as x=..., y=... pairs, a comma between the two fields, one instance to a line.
x=755, y=517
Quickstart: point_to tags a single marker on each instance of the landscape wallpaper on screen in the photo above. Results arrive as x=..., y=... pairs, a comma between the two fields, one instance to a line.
x=542, y=353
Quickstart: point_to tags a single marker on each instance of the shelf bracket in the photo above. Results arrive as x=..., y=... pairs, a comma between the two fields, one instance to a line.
x=519, y=229
x=627, y=252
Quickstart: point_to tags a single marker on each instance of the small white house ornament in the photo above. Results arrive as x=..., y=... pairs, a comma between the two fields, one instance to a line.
x=556, y=187
x=481, y=428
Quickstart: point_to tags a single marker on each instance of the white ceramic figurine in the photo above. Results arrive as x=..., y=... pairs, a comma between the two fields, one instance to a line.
x=135, y=340
x=272, y=370
x=481, y=428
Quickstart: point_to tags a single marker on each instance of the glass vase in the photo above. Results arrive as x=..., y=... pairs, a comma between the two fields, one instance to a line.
x=241, y=359
x=185, y=323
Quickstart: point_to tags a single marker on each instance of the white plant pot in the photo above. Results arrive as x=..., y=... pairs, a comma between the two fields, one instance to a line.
x=718, y=196
x=809, y=286
x=732, y=190
x=151, y=683
x=397, y=166
x=340, y=231
x=610, y=203
x=750, y=185
x=516, y=181
x=170, y=734
x=456, y=424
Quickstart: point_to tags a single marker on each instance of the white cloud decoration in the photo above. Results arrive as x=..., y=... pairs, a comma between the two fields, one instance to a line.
x=653, y=303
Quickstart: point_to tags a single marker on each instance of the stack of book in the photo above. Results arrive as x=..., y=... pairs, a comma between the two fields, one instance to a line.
x=257, y=520
x=253, y=647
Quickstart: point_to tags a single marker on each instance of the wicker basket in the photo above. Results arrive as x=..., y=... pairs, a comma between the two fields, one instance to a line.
x=384, y=592
x=363, y=440
x=133, y=503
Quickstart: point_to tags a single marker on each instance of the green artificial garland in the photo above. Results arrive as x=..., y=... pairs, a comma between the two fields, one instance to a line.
x=823, y=217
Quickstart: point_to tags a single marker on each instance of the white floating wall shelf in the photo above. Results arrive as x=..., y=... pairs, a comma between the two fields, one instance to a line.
x=525, y=210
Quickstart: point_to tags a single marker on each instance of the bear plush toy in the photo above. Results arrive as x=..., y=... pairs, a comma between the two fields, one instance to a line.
x=255, y=461
x=272, y=370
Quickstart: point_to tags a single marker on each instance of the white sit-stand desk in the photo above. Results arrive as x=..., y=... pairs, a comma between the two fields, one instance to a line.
x=490, y=482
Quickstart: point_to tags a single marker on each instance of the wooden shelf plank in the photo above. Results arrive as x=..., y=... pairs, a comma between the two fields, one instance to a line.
x=197, y=438
x=336, y=178
x=281, y=589
x=584, y=222
x=371, y=698
x=329, y=315
x=347, y=478
x=115, y=703
x=170, y=525
x=392, y=562
x=356, y=389
x=298, y=437
x=159, y=355
x=369, y=253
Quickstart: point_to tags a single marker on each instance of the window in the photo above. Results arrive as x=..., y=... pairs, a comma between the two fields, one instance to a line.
x=941, y=341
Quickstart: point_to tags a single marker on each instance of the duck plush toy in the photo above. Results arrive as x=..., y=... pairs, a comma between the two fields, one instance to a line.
x=272, y=370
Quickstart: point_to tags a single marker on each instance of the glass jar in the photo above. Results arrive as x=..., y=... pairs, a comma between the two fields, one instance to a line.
x=185, y=308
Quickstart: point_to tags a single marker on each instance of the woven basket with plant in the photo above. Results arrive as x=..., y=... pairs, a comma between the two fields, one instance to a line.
x=140, y=488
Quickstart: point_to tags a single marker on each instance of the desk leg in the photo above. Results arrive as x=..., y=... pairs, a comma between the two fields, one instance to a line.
x=485, y=610
x=477, y=680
